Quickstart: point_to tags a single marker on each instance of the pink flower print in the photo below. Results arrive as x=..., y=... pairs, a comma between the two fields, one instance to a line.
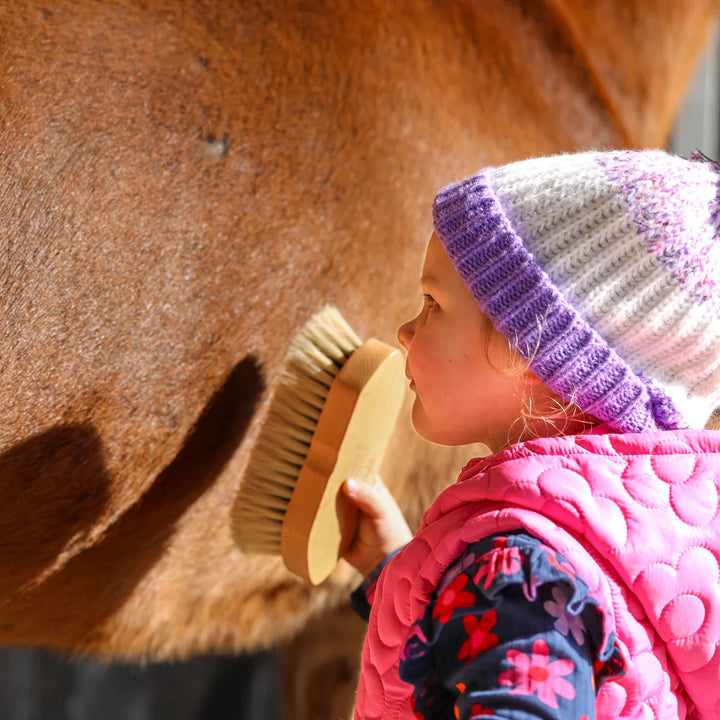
x=500, y=560
x=455, y=570
x=414, y=644
x=533, y=673
x=453, y=597
x=566, y=622
x=479, y=636
x=563, y=566
x=530, y=588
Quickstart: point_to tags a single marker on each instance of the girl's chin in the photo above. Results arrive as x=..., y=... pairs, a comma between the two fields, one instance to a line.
x=441, y=433
x=421, y=422
x=429, y=431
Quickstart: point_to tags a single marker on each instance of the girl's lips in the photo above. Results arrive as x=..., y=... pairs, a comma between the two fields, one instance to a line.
x=409, y=377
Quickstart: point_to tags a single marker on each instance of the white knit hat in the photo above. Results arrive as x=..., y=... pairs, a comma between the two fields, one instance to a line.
x=603, y=270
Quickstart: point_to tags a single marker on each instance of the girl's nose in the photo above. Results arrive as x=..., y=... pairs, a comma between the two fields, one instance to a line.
x=406, y=332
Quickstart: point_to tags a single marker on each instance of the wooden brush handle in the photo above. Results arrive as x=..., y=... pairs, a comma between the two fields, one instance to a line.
x=352, y=433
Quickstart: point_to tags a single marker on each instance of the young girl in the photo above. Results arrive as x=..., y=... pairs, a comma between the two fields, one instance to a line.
x=571, y=322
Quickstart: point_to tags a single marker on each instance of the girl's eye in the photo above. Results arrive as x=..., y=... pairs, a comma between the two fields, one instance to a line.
x=429, y=301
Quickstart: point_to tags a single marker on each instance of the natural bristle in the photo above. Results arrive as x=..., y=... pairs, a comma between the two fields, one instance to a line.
x=314, y=359
x=322, y=346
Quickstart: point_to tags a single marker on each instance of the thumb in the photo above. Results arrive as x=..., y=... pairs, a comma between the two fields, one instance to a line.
x=366, y=497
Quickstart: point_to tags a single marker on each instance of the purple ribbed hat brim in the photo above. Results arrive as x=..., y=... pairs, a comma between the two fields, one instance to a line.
x=562, y=349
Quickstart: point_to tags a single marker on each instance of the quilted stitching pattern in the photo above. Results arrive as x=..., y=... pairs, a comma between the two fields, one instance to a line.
x=636, y=515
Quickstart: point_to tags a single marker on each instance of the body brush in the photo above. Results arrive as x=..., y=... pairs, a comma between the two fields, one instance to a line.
x=330, y=419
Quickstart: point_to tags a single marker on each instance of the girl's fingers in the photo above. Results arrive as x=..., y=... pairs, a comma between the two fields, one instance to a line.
x=364, y=496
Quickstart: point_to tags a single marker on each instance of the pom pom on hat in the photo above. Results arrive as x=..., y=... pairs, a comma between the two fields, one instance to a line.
x=602, y=269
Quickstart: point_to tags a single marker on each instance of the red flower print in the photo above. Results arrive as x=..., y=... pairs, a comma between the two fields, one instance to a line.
x=453, y=597
x=479, y=636
x=533, y=673
x=416, y=714
x=500, y=560
x=477, y=710
x=455, y=569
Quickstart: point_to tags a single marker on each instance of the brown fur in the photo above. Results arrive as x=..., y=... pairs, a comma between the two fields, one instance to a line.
x=182, y=183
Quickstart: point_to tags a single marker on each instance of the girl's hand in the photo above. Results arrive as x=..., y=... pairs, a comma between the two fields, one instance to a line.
x=381, y=526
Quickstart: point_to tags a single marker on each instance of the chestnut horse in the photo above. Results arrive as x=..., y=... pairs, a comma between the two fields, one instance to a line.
x=182, y=183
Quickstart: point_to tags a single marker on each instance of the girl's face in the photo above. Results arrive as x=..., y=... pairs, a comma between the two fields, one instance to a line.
x=459, y=366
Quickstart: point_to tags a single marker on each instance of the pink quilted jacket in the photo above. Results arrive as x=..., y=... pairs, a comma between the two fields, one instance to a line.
x=636, y=515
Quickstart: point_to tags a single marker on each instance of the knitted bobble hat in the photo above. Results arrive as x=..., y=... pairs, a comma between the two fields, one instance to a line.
x=602, y=269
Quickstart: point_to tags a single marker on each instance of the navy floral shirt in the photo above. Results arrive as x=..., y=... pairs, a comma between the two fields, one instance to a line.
x=511, y=632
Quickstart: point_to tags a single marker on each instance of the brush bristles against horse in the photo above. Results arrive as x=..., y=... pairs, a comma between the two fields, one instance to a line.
x=330, y=419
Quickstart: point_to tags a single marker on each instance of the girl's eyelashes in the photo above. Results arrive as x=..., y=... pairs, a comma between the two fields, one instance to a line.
x=429, y=301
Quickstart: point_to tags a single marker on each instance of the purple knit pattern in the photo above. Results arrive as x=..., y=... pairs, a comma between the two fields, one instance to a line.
x=565, y=352
x=669, y=204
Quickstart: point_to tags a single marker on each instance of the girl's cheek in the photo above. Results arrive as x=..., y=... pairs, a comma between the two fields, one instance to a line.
x=418, y=359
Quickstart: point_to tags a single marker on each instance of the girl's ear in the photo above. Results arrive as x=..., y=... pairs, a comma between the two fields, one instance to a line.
x=530, y=378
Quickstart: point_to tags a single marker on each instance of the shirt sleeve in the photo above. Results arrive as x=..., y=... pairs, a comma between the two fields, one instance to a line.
x=511, y=632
